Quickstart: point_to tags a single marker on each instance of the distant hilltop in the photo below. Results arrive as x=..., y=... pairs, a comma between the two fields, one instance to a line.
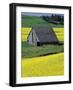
x=40, y=14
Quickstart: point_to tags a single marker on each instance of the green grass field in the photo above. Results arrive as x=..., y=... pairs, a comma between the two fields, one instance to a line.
x=29, y=21
x=29, y=51
x=32, y=21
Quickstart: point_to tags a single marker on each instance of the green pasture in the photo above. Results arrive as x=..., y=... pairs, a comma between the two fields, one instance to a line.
x=32, y=21
x=29, y=51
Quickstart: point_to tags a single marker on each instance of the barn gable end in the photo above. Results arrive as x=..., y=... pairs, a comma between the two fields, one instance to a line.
x=42, y=35
x=32, y=38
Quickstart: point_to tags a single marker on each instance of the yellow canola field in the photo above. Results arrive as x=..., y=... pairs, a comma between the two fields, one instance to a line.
x=24, y=33
x=59, y=33
x=50, y=65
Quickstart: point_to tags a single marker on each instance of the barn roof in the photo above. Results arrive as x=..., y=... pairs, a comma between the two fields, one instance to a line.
x=45, y=35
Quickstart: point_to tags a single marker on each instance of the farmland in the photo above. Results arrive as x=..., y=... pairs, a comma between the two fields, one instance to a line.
x=34, y=51
x=45, y=60
x=24, y=34
x=59, y=33
x=29, y=21
x=29, y=51
x=51, y=65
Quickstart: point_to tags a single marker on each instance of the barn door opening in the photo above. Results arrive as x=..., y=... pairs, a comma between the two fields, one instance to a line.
x=38, y=43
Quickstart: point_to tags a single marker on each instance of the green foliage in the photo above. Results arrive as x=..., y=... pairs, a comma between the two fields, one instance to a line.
x=57, y=18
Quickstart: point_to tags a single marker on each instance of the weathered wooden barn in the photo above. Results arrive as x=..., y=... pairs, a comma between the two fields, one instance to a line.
x=42, y=35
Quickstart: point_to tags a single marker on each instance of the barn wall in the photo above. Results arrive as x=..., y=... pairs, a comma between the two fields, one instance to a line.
x=29, y=41
x=32, y=38
x=35, y=38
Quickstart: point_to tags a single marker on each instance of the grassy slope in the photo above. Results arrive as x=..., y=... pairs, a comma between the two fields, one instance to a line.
x=32, y=21
x=29, y=51
x=52, y=65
